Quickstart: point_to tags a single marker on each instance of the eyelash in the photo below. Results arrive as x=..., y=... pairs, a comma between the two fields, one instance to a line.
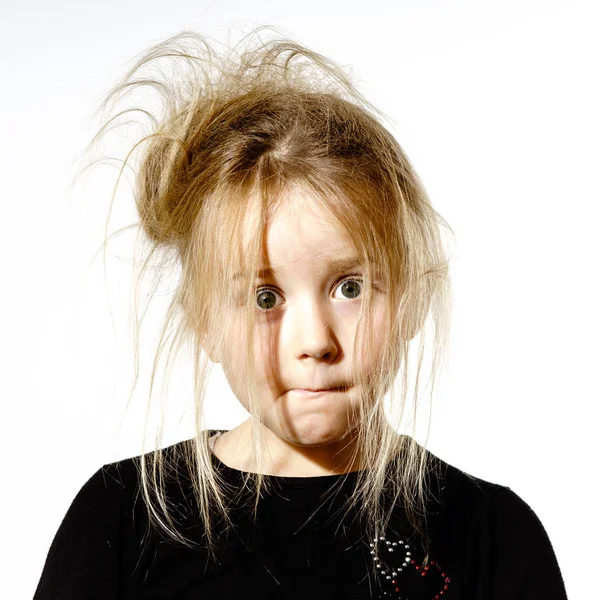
x=357, y=278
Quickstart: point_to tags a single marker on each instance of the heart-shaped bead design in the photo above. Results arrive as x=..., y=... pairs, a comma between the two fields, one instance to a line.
x=404, y=576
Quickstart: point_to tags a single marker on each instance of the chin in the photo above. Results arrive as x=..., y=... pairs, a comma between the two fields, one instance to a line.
x=314, y=435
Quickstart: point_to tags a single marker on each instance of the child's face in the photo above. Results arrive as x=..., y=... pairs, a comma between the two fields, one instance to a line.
x=307, y=315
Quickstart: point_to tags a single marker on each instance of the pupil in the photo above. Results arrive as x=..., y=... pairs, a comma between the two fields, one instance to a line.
x=266, y=299
x=353, y=287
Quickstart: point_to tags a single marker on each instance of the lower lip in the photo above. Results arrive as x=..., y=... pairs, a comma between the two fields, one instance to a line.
x=310, y=394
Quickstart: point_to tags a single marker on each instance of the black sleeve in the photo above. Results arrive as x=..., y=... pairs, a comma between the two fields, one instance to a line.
x=518, y=558
x=84, y=558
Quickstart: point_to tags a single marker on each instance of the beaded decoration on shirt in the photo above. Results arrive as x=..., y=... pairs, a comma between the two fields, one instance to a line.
x=399, y=570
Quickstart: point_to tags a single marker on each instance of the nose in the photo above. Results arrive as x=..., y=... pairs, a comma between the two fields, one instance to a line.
x=313, y=334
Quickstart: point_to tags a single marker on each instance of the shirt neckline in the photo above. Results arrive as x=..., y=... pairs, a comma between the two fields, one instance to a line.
x=280, y=481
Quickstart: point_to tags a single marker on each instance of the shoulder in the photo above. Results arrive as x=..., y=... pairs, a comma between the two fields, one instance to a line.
x=123, y=477
x=485, y=504
x=506, y=550
x=99, y=537
x=453, y=487
x=496, y=505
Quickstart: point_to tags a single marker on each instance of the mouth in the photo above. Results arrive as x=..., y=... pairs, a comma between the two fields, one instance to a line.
x=315, y=391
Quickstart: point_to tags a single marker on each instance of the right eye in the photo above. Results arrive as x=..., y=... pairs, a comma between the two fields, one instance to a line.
x=266, y=298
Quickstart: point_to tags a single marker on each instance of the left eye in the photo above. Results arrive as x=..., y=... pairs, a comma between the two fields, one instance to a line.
x=351, y=288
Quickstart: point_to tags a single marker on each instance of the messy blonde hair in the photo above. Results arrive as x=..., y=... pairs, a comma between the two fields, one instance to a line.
x=233, y=132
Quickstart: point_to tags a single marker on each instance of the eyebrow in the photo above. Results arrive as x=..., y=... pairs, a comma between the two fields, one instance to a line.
x=336, y=264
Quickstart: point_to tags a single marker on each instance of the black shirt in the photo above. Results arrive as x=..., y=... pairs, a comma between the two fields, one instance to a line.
x=485, y=544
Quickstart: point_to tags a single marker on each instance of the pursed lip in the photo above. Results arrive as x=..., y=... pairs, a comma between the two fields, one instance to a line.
x=317, y=390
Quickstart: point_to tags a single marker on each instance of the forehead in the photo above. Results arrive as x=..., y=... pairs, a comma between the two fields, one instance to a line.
x=299, y=230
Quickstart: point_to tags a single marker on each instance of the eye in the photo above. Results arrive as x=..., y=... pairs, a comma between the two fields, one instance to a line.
x=266, y=298
x=351, y=288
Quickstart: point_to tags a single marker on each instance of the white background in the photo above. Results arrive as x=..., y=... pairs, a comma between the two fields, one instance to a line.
x=497, y=106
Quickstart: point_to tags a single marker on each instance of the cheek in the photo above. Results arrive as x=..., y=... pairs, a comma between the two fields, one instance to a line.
x=379, y=329
x=267, y=356
x=233, y=359
x=234, y=363
x=370, y=346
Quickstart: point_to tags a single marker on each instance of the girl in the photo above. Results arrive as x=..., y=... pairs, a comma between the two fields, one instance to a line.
x=312, y=264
